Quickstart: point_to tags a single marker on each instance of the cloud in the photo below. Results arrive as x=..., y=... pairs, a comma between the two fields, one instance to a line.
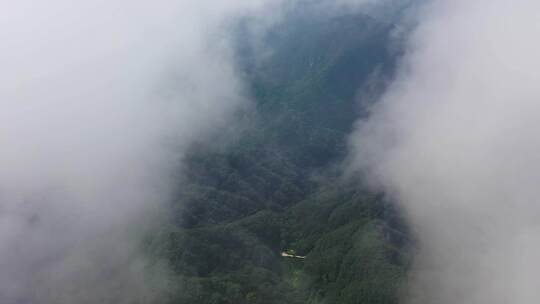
x=455, y=141
x=99, y=101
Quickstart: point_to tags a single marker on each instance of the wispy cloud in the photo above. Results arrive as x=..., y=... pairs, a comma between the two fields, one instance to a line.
x=455, y=141
x=99, y=100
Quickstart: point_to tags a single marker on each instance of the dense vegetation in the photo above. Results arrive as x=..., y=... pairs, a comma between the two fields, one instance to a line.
x=276, y=188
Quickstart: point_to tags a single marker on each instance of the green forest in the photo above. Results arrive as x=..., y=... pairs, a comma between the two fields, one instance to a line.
x=278, y=186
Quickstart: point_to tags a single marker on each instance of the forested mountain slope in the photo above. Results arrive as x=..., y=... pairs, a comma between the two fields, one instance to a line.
x=276, y=188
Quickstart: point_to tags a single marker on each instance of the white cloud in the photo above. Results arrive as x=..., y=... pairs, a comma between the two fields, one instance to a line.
x=99, y=99
x=455, y=141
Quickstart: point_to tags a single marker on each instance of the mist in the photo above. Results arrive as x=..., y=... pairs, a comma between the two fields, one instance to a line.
x=455, y=141
x=100, y=101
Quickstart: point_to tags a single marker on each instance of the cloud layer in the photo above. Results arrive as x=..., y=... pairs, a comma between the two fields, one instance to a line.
x=455, y=140
x=100, y=99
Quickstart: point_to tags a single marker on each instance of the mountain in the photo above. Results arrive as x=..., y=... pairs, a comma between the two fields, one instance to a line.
x=277, y=186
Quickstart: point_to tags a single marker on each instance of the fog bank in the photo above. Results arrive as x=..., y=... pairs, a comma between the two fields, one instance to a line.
x=455, y=141
x=100, y=99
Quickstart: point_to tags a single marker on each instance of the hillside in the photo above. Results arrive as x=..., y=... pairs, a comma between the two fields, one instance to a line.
x=277, y=187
